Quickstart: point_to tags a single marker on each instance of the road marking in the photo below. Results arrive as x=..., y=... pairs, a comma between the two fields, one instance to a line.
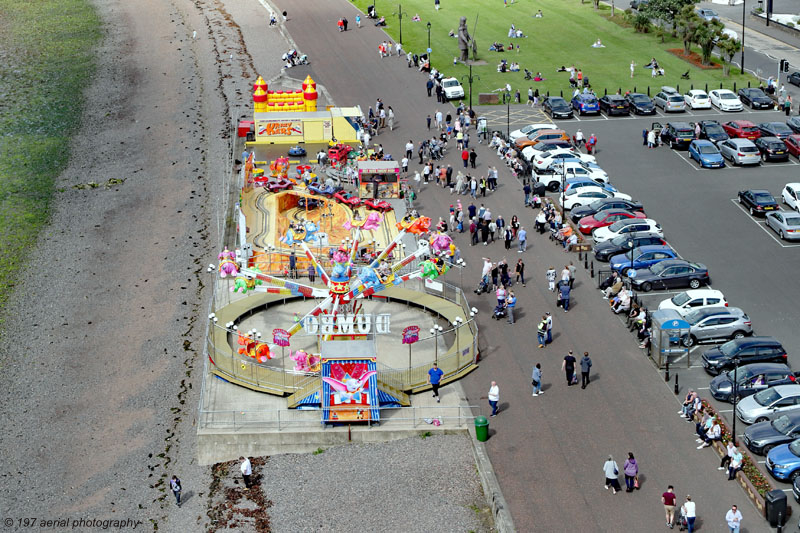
x=764, y=228
x=726, y=410
x=702, y=388
x=688, y=162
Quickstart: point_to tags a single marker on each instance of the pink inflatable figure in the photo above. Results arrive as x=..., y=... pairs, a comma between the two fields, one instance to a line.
x=441, y=242
x=373, y=221
x=305, y=362
x=227, y=263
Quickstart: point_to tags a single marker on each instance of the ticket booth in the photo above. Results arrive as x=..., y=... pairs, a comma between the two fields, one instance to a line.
x=378, y=179
x=668, y=328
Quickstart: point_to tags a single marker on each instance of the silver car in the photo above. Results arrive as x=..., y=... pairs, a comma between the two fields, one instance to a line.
x=758, y=407
x=785, y=223
x=670, y=101
x=740, y=152
x=716, y=323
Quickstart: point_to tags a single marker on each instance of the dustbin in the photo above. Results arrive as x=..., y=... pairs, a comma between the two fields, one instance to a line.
x=776, y=505
x=482, y=434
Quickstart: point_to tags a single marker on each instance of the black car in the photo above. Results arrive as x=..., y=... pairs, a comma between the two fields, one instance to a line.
x=751, y=378
x=772, y=149
x=755, y=98
x=604, y=251
x=603, y=204
x=758, y=201
x=557, y=107
x=307, y=203
x=713, y=131
x=641, y=104
x=761, y=437
x=746, y=350
x=676, y=134
x=670, y=273
x=614, y=104
x=794, y=78
x=775, y=129
x=794, y=124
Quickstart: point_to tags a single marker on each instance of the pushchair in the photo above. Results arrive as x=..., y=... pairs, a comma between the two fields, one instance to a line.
x=483, y=286
x=499, y=312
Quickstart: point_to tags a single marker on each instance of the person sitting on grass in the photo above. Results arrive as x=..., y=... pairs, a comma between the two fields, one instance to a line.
x=538, y=77
x=598, y=44
x=452, y=34
x=539, y=14
x=416, y=18
x=514, y=67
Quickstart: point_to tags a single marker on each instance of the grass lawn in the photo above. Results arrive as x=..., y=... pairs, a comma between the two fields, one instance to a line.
x=47, y=61
x=562, y=37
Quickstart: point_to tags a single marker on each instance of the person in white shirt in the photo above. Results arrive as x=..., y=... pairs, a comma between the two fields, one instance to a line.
x=247, y=471
x=715, y=433
x=726, y=459
x=494, y=397
x=734, y=519
x=688, y=511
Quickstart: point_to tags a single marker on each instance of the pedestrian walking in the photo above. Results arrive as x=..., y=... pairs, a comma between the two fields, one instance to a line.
x=551, y=279
x=651, y=139
x=428, y=120
x=536, y=380
x=586, y=366
x=345, y=22
x=247, y=471
x=541, y=331
x=734, y=519
x=563, y=292
x=549, y=320
x=522, y=236
x=787, y=105
x=611, y=471
x=494, y=397
x=633, y=67
x=511, y=303
x=507, y=236
x=312, y=273
x=631, y=470
x=390, y=116
x=520, y=272
x=572, y=271
x=644, y=137
x=473, y=157
x=358, y=21
x=434, y=378
x=438, y=119
x=568, y=366
x=689, y=510
x=175, y=485
x=465, y=157
x=668, y=499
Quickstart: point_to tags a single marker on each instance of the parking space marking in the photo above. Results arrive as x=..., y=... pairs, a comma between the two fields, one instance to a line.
x=688, y=161
x=726, y=410
x=702, y=388
x=764, y=228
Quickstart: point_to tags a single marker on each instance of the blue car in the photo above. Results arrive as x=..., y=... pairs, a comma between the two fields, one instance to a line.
x=585, y=103
x=783, y=461
x=583, y=182
x=705, y=153
x=643, y=257
x=297, y=151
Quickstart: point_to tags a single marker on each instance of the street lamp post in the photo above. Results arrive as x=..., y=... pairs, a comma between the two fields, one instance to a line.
x=400, y=13
x=469, y=78
x=630, y=279
x=429, y=44
x=508, y=117
x=735, y=390
x=743, y=19
x=563, y=186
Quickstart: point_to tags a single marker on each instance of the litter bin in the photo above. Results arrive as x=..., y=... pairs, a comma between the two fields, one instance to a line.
x=482, y=434
x=776, y=505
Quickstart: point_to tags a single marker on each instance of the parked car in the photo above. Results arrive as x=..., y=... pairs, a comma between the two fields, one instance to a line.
x=697, y=99
x=783, y=462
x=791, y=195
x=740, y=152
x=794, y=78
x=755, y=98
x=641, y=104
x=725, y=100
x=588, y=224
x=626, y=227
x=746, y=351
x=585, y=103
x=529, y=152
x=604, y=251
x=669, y=100
x=580, y=196
x=688, y=301
x=759, y=406
x=670, y=274
x=676, y=134
x=751, y=379
x=642, y=257
x=603, y=205
x=543, y=160
x=775, y=129
x=707, y=14
x=582, y=182
x=785, y=223
x=742, y=129
x=452, y=89
x=578, y=169
x=712, y=131
x=614, y=104
x=715, y=324
x=772, y=149
x=541, y=135
x=557, y=107
x=762, y=437
x=757, y=201
x=794, y=123
x=530, y=128
x=705, y=153
x=792, y=143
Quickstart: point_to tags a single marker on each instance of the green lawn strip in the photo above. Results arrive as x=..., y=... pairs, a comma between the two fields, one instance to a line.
x=562, y=37
x=47, y=52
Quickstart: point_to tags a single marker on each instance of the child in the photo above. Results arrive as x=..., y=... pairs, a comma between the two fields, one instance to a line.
x=551, y=279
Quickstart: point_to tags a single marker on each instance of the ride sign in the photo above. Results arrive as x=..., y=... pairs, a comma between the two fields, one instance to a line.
x=280, y=337
x=410, y=334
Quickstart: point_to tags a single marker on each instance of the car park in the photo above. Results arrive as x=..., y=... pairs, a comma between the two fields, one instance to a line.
x=614, y=104
x=676, y=134
x=707, y=14
x=697, y=99
x=740, y=152
x=775, y=129
x=541, y=135
x=706, y=154
x=785, y=223
x=603, y=251
x=585, y=103
x=604, y=205
x=530, y=128
x=713, y=131
x=783, y=462
x=626, y=227
x=772, y=149
x=755, y=98
x=716, y=324
x=794, y=78
x=791, y=195
x=742, y=129
x=792, y=143
x=725, y=100
x=642, y=257
x=762, y=437
x=669, y=100
x=543, y=160
x=641, y=104
x=588, y=224
x=757, y=201
x=671, y=274
x=688, y=301
x=759, y=406
x=578, y=169
x=751, y=379
x=452, y=89
x=580, y=196
x=557, y=107
x=745, y=351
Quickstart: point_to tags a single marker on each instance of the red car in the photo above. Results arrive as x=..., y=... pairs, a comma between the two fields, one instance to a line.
x=744, y=129
x=792, y=143
x=348, y=199
x=605, y=218
x=378, y=205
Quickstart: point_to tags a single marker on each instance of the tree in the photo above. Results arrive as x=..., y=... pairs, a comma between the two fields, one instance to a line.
x=666, y=11
x=706, y=36
x=727, y=49
x=641, y=23
x=596, y=4
x=686, y=22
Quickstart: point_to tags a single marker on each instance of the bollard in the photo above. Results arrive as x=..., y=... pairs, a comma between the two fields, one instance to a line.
x=586, y=260
x=691, y=86
x=734, y=86
x=592, y=271
x=666, y=372
x=706, y=88
x=676, y=384
x=580, y=252
x=605, y=92
x=678, y=88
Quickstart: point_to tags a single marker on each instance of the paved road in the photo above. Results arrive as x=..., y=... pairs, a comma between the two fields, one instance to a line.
x=547, y=451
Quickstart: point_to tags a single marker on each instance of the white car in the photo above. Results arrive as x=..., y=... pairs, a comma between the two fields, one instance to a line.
x=530, y=152
x=543, y=160
x=578, y=196
x=530, y=128
x=452, y=89
x=791, y=195
x=725, y=100
x=688, y=301
x=574, y=169
x=697, y=99
x=625, y=226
